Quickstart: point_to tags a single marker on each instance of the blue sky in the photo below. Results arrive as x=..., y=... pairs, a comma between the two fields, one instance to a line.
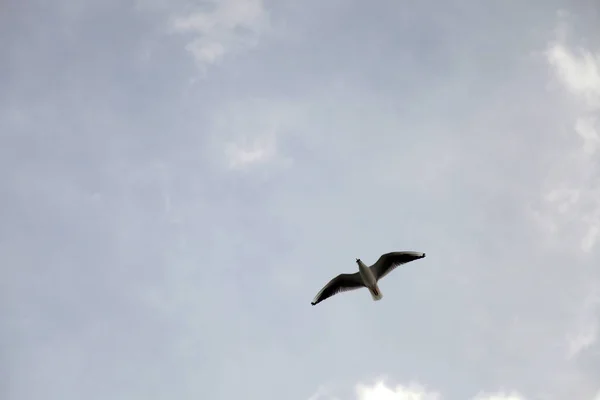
x=180, y=178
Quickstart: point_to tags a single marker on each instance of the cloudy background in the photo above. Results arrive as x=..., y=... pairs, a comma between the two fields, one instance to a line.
x=179, y=178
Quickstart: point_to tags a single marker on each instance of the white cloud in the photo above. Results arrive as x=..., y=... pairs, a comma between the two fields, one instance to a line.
x=499, y=396
x=579, y=71
x=221, y=27
x=413, y=391
x=572, y=196
x=380, y=391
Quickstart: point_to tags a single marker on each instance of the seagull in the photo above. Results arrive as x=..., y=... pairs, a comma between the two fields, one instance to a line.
x=367, y=276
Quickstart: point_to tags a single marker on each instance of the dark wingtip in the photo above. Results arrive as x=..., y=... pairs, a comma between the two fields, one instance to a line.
x=312, y=304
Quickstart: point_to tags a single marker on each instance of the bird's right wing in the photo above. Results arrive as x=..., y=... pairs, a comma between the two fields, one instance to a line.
x=340, y=283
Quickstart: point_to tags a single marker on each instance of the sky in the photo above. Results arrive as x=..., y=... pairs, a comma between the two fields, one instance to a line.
x=178, y=179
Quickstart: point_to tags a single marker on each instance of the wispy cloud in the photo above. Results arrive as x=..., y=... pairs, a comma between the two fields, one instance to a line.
x=322, y=393
x=259, y=150
x=586, y=327
x=247, y=133
x=572, y=195
x=222, y=27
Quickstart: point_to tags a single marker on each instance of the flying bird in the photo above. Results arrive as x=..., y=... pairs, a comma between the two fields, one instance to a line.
x=367, y=276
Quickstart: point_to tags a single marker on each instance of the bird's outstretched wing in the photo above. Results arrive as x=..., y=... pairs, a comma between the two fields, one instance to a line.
x=340, y=283
x=389, y=261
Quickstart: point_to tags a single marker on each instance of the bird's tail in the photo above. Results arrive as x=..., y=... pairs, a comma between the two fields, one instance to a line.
x=375, y=293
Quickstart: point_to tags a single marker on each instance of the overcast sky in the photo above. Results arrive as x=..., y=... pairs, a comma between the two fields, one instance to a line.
x=179, y=178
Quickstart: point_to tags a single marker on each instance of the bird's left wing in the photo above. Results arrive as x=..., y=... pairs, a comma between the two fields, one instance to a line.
x=389, y=261
x=340, y=283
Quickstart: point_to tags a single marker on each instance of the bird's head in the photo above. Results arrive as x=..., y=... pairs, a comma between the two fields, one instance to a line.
x=357, y=260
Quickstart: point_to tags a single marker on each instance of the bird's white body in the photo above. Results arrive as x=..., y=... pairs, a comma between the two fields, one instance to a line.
x=369, y=280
